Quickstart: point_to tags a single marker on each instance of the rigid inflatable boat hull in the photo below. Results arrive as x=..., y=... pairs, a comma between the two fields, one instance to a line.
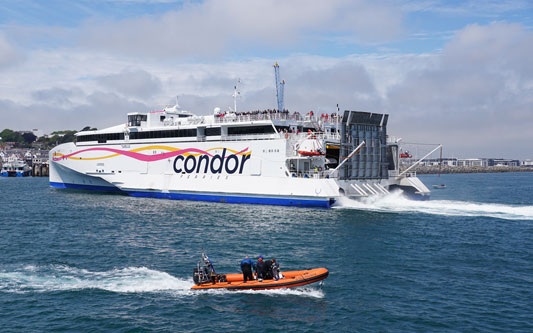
x=291, y=279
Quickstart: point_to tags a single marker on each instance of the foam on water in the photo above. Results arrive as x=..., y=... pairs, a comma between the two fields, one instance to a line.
x=61, y=278
x=32, y=278
x=396, y=202
x=307, y=291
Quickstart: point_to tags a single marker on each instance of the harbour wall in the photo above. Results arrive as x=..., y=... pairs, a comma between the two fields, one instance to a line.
x=426, y=170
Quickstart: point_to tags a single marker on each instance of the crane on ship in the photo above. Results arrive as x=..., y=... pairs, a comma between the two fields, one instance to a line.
x=280, y=85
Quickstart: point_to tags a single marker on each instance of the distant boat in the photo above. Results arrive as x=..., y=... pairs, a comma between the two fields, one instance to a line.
x=441, y=186
x=15, y=168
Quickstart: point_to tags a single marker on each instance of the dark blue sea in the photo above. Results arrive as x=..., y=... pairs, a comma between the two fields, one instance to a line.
x=80, y=261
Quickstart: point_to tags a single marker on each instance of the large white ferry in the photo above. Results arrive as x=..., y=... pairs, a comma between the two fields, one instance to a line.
x=262, y=157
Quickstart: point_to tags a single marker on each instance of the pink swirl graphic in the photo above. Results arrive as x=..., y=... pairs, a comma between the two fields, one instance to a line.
x=143, y=157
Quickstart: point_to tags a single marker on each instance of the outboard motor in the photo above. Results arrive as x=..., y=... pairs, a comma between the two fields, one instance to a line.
x=200, y=274
x=203, y=270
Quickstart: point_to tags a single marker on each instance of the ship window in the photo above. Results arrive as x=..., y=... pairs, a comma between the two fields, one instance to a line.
x=163, y=134
x=101, y=138
x=250, y=130
x=135, y=119
x=212, y=131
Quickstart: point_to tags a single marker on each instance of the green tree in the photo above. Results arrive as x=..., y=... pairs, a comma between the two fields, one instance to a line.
x=8, y=135
x=29, y=137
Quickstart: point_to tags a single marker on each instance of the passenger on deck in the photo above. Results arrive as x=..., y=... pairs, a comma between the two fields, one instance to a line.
x=259, y=268
x=246, y=267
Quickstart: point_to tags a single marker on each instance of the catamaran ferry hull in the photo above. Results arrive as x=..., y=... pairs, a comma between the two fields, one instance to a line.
x=233, y=174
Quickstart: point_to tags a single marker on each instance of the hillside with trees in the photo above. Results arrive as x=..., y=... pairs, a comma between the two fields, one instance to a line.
x=25, y=140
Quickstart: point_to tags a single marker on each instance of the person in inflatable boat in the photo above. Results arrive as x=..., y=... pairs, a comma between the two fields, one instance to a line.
x=246, y=268
x=259, y=268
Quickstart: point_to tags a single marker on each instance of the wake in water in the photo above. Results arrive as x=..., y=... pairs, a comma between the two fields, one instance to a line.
x=396, y=202
x=60, y=278
x=125, y=280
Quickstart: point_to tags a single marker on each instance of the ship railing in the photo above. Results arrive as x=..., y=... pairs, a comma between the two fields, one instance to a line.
x=247, y=137
x=311, y=174
x=281, y=116
x=313, y=135
x=296, y=137
x=233, y=118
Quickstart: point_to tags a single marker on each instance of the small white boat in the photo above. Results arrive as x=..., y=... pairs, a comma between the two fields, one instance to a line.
x=15, y=168
x=441, y=186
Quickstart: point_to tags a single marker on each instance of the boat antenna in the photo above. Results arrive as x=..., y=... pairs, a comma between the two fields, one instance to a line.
x=280, y=87
x=236, y=93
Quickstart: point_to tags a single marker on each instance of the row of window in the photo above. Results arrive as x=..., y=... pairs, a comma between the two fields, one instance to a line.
x=211, y=131
x=163, y=134
x=101, y=138
x=250, y=130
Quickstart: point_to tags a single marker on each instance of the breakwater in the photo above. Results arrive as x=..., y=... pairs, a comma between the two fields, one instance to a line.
x=426, y=170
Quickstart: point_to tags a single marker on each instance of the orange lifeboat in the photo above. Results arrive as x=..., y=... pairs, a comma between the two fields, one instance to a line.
x=310, y=153
x=290, y=279
x=405, y=154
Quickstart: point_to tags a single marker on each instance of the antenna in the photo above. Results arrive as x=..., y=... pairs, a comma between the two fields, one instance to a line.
x=280, y=87
x=235, y=95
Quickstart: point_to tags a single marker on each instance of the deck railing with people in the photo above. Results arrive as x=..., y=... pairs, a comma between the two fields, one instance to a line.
x=274, y=115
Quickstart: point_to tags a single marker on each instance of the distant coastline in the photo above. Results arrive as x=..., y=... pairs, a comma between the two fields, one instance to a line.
x=428, y=170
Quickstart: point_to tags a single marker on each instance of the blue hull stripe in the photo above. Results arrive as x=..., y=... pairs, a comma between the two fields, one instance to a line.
x=18, y=174
x=324, y=203
x=236, y=199
x=85, y=187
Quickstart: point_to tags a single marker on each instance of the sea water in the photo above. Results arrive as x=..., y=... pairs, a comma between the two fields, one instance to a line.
x=84, y=261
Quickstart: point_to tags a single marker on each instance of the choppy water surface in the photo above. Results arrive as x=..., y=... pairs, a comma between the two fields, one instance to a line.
x=79, y=261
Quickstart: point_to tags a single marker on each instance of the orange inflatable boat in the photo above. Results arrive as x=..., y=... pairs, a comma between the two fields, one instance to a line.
x=205, y=277
x=290, y=279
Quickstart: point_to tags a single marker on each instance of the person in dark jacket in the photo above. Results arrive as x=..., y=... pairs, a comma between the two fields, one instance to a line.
x=246, y=268
x=267, y=270
x=259, y=268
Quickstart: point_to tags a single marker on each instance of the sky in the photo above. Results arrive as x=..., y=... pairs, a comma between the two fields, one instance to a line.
x=459, y=73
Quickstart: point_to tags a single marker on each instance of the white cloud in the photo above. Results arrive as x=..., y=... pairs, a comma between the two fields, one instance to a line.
x=213, y=27
x=477, y=97
x=9, y=55
x=136, y=84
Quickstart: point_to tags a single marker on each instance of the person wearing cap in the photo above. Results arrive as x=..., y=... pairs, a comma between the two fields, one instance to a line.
x=246, y=268
x=259, y=268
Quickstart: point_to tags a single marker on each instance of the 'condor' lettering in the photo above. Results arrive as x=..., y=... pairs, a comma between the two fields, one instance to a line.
x=201, y=164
